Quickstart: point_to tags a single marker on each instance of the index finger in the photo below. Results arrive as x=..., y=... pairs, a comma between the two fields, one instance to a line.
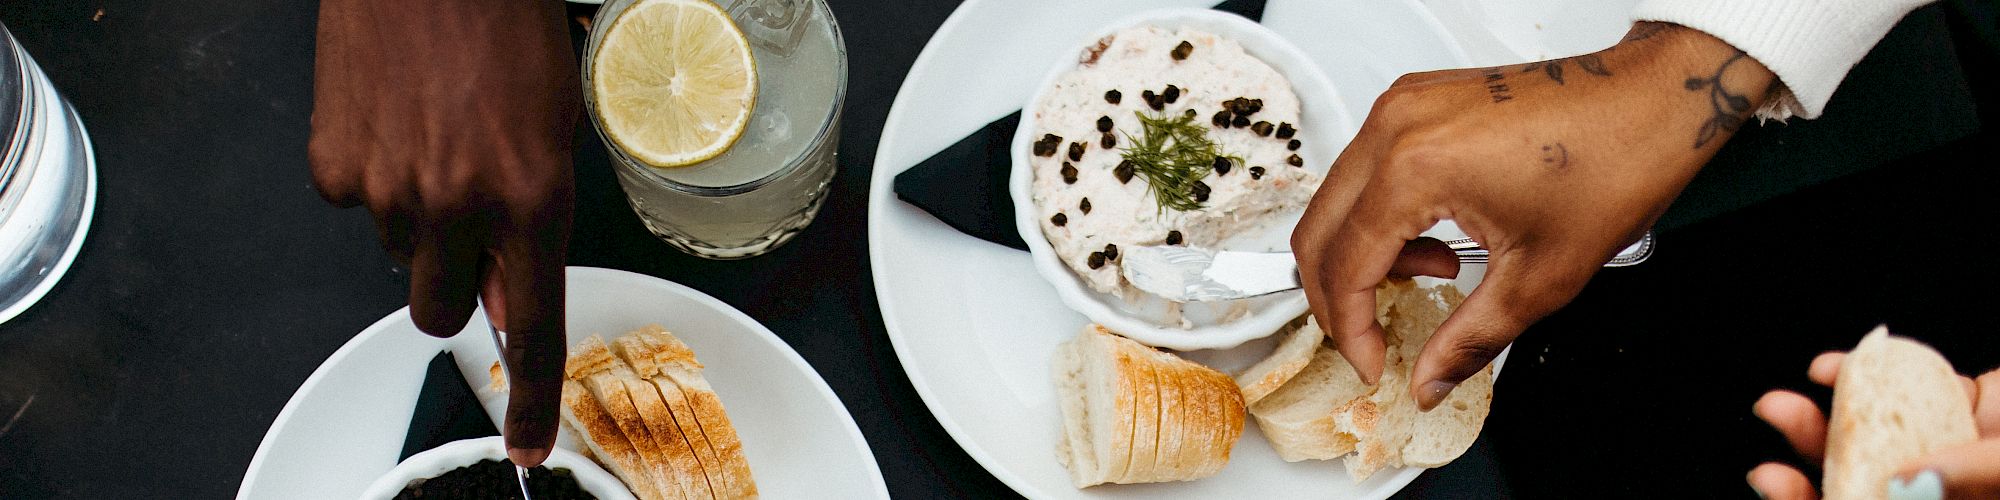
x=528, y=289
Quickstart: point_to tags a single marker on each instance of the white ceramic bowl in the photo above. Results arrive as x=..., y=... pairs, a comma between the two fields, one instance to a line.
x=466, y=452
x=1325, y=127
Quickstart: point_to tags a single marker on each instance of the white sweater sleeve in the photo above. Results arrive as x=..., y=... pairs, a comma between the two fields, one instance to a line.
x=1809, y=44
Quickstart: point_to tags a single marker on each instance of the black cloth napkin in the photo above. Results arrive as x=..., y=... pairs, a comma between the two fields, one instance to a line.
x=447, y=410
x=965, y=185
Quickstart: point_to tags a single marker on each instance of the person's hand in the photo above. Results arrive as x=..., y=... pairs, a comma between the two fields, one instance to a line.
x=451, y=121
x=1553, y=166
x=1971, y=470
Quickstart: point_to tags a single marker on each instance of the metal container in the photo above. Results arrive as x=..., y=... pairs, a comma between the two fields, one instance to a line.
x=48, y=181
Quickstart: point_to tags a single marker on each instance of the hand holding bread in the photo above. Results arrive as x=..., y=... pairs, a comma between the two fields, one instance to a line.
x=1903, y=425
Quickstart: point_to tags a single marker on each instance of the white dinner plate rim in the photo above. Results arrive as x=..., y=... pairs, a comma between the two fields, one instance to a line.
x=340, y=355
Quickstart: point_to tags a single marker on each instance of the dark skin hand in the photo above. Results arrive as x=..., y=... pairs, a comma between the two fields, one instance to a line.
x=1554, y=166
x=456, y=137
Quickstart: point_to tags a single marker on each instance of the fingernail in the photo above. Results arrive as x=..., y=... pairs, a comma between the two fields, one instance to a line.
x=1753, y=487
x=1365, y=379
x=1433, y=393
x=527, y=457
x=1924, y=485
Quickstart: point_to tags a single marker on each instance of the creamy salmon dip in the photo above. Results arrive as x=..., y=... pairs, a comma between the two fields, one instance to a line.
x=1089, y=204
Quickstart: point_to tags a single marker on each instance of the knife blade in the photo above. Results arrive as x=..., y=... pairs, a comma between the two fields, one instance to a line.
x=1190, y=274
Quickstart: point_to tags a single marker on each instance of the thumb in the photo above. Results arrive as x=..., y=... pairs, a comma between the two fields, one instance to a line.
x=1970, y=470
x=1518, y=290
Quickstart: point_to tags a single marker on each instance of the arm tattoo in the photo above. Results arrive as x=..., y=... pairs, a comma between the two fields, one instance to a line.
x=1496, y=85
x=1730, y=108
x=1589, y=63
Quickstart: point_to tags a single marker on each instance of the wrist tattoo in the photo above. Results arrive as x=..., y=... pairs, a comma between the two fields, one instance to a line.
x=1589, y=63
x=1496, y=85
x=1730, y=108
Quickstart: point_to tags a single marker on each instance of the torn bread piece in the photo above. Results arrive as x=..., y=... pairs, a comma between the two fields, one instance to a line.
x=677, y=362
x=1895, y=400
x=601, y=436
x=1295, y=349
x=1390, y=431
x=1164, y=418
x=1299, y=418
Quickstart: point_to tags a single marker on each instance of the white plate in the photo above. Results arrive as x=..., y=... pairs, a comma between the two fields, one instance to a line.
x=1324, y=125
x=974, y=325
x=345, y=425
x=1513, y=31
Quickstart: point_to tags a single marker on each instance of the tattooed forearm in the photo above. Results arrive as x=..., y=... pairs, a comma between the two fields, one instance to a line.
x=1496, y=85
x=1730, y=109
x=1589, y=63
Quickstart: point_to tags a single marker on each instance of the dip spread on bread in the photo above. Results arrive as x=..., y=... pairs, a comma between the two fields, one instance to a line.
x=1158, y=136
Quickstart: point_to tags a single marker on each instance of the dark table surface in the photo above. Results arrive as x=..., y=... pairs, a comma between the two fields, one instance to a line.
x=214, y=280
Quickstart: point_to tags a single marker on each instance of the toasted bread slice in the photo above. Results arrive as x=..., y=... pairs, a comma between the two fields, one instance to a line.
x=1896, y=400
x=1299, y=418
x=677, y=362
x=685, y=468
x=1294, y=351
x=635, y=353
x=617, y=400
x=601, y=436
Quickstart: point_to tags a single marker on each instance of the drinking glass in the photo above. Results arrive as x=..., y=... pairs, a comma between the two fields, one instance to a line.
x=771, y=182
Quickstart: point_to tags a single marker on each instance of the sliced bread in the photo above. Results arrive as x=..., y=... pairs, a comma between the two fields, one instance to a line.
x=1298, y=419
x=1133, y=414
x=1895, y=400
x=1295, y=349
x=593, y=426
x=1097, y=385
x=676, y=361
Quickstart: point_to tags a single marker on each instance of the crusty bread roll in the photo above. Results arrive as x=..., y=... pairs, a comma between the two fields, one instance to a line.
x=1324, y=411
x=1896, y=400
x=650, y=417
x=1132, y=414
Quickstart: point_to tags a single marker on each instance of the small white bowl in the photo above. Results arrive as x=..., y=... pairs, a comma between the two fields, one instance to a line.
x=1325, y=126
x=466, y=452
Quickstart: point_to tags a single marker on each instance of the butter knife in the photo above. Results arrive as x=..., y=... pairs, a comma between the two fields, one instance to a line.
x=1189, y=274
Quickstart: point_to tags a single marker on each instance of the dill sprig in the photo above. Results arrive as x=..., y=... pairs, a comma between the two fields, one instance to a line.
x=1172, y=153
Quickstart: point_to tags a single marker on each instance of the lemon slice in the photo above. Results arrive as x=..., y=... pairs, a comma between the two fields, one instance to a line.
x=674, y=81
